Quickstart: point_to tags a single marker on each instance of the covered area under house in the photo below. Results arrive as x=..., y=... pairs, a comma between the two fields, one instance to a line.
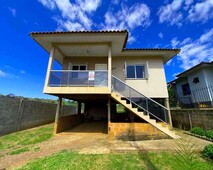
x=91, y=77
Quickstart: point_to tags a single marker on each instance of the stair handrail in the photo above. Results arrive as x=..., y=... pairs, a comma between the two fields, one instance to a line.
x=144, y=97
x=141, y=93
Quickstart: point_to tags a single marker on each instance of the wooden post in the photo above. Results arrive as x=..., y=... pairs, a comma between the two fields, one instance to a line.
x=109, y=67
x=58, y=111
x=169, y=112
x=50, y=65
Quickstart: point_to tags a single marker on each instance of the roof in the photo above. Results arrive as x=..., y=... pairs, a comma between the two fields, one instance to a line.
x=198, y=66
x=117, y=39
x=183, y=75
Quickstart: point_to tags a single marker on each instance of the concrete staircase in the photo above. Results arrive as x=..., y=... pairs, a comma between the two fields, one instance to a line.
x=163, y=128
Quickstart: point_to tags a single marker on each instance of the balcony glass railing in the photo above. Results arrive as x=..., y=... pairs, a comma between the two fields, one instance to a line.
x=92, y=78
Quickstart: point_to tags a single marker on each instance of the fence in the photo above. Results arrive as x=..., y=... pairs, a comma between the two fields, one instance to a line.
x=199, y=98
x=189, y=118
x=19, y=114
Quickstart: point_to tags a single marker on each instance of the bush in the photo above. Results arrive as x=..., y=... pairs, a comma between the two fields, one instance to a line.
x=208, y=151
x=209, y=134
x=198, y=131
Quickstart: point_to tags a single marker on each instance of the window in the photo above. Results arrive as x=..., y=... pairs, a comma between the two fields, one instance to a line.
x=186, y=90
x=79, y=67
x=196, y=80
x=135, y=71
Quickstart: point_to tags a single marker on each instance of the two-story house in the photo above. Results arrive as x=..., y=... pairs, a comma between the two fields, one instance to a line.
x=99, y=71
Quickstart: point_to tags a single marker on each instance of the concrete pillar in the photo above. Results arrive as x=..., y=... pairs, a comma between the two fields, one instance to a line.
x=79, y=107
x=58, y=111
x=109, y=67
x=169, y=112
x=50, y=65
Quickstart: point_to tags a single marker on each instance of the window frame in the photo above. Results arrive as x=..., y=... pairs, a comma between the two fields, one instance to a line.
x=135, y=71
x=186, y=89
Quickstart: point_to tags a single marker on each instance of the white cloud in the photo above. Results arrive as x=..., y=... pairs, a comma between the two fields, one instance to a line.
x=74, y=16
x=13, y=11
x=187, y=4
x=89, y=5
x=179, y=11
x=2, y=74
x=194, y=51
x=207, y=36
x=201, y=11
x=48, y=3
x=128, y=17
x=171, y=13
x=22, y=71
x=137, y=15
x=160, y=35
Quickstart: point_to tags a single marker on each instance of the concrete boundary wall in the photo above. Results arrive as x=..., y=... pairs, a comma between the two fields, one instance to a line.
x=18, y=114
x=189, y=118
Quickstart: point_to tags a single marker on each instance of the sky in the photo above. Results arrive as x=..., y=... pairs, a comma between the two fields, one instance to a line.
x=185, y=24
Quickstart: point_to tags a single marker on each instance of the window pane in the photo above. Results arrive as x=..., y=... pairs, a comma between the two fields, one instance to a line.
x=186, y=89
x=139, y=71
x=74, y=67
x=82, y=67
x=130, y=71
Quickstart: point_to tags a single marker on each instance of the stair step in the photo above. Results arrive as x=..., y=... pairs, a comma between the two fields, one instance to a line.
x=125, y=102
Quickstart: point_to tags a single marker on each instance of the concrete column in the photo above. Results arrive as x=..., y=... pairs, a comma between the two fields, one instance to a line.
x=79, y=107
x=109, y=67
x=58, y=111
x=50, y=65
x=169, y=112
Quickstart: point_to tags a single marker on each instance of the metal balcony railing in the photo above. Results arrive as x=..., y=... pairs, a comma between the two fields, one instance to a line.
x=59, y=78
x=142, y=102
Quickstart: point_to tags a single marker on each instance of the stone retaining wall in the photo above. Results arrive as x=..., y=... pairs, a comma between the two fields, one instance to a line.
x=188, y=118
x=134, y=131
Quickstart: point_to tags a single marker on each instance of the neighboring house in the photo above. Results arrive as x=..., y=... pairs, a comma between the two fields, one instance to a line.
x=99, y=71
x=194, y=87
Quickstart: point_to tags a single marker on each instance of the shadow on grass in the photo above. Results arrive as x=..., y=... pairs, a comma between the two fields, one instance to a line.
x=144, y=155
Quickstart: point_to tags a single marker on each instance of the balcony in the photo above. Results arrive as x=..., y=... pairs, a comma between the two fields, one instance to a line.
x=77, y=82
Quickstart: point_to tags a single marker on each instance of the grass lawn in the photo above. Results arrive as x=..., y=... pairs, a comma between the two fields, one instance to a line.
x=152, y=161
x=22, y=141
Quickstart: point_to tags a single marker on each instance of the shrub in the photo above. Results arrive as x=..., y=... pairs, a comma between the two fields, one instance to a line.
x=209, y=134
x=208, y=151
x=198, y=131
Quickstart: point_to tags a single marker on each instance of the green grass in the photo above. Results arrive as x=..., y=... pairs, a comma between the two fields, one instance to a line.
x=152, y=161
x=18, y=151
x=26, y=137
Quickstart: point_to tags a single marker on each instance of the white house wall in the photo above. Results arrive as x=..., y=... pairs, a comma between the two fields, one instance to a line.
x=154, y=86
x=199, y=91
x=208, y=72
x=186, y=99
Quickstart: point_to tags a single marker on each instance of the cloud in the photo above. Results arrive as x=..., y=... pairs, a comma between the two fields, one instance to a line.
x=22, y=72
x=74, y=16
x=128, y=17
x=160, y=35
x=179, y=11
x=13, y=11
x=201, y=11
x=48, y=3
x=171, y=13
x=2, y=74
x=89, y=5
x=11, y=72
x=194, y=51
